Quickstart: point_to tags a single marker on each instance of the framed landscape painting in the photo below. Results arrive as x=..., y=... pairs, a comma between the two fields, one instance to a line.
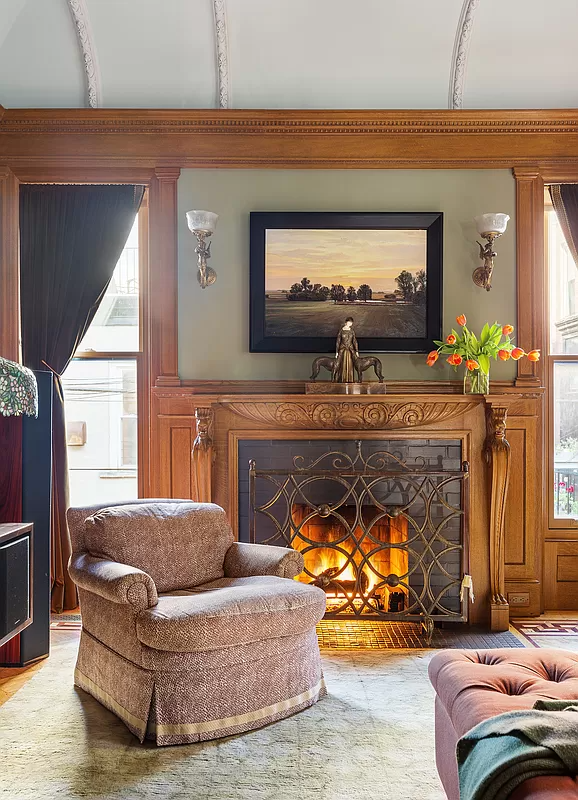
x=312, y=270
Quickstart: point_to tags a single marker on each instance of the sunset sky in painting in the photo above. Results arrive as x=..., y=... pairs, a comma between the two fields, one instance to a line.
x=349, y=257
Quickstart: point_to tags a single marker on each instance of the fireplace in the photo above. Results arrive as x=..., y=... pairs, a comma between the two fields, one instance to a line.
x=382, y=525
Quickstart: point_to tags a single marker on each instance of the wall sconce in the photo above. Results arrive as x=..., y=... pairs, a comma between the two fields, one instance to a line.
x=203, y=224
x=490, y=227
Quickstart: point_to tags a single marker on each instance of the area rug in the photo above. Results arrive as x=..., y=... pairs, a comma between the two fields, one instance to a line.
x=556, y=633
x=373, y=736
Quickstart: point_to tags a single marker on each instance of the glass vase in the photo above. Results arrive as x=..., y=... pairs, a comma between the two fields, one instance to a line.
x=476, y=382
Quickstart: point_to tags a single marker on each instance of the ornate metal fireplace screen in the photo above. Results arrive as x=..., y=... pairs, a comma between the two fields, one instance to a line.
x=383, y=539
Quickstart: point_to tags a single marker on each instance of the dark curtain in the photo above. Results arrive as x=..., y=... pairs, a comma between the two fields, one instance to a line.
x=565, y=201
x=70, y=240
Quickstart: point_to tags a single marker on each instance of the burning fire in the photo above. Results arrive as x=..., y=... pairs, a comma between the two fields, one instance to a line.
x=342, y=577
x=322, y=560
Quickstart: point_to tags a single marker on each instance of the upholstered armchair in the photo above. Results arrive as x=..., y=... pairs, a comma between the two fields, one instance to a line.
x=188, y=635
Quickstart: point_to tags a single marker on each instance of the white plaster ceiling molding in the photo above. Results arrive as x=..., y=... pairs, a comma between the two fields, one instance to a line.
x=82, y=24
x=460, y=54
x=222, y=43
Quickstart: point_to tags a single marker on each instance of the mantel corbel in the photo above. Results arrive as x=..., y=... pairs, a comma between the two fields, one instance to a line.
x=498, y=458
x=202, y=456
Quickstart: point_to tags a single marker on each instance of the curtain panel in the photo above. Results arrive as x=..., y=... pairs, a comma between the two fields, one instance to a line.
x=71, y=238
x=565, y=201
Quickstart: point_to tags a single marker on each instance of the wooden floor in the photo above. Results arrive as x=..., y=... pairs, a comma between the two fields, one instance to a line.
x=12, y=679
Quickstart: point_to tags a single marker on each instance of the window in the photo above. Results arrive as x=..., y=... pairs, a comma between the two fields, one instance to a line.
x=563, y=373
x=101, y=389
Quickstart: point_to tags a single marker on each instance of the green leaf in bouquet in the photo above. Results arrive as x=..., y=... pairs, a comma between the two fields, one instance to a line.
x=484, y=363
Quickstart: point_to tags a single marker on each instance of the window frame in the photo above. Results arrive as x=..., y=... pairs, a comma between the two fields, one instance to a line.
x=560, y=525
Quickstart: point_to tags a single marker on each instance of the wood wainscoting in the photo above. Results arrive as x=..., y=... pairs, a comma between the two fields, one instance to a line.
x=197, y=428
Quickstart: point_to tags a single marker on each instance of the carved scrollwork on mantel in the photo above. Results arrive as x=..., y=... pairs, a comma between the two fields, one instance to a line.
x=349, y=415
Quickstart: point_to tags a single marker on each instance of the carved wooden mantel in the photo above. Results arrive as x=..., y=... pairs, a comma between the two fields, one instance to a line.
x=343, y=414
x=214, y=423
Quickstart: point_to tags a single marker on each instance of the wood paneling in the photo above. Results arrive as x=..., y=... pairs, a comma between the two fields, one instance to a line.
x=530, y=273
x=524, y=512
x=289, y=138
x=516, y=511
x=567, y=568
x=561, y=575
x=9, y=266
x=10, y=469
x=176, y=435
x=163, y=277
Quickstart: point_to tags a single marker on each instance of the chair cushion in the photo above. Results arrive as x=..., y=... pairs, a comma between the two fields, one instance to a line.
x=473, y=685
x=180, y=545
x=231, y=611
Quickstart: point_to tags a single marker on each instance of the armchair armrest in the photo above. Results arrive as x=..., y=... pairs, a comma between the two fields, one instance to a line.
x=243, y=560
x=117, y=582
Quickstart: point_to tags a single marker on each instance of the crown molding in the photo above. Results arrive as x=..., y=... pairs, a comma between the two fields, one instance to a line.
x=182, y=121
x=326, y=139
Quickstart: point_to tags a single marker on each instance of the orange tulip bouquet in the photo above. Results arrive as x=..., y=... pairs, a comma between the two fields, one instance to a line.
x=476, y=351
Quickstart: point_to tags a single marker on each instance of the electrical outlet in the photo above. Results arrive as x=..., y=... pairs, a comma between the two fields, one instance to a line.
x=519, y=598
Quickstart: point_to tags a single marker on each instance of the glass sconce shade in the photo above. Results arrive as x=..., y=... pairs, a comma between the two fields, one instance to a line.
x=202, y=221
x=491, y=223
x=18, y=392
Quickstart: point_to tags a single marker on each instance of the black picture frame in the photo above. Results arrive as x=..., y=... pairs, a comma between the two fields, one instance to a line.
x=261, y=221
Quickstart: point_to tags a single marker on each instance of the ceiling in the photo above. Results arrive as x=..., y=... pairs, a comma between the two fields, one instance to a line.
x=289, y=53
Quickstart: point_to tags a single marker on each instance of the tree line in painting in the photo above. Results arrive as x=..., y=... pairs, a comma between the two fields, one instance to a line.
x=410, y=289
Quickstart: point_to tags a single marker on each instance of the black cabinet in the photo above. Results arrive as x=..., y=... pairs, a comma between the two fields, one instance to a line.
x=16, y=556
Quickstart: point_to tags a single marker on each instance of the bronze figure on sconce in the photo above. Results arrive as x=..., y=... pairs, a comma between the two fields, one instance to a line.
x=483, y=275
x=490, y=227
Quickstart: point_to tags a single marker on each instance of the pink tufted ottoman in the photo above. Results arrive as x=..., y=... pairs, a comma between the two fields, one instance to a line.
x=472, y=685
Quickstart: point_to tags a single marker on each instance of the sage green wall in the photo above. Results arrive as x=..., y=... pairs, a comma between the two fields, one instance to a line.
x=214, y=323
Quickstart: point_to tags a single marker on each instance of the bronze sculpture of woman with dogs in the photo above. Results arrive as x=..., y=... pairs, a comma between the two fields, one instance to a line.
x=347, y=362
x=346, y=354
